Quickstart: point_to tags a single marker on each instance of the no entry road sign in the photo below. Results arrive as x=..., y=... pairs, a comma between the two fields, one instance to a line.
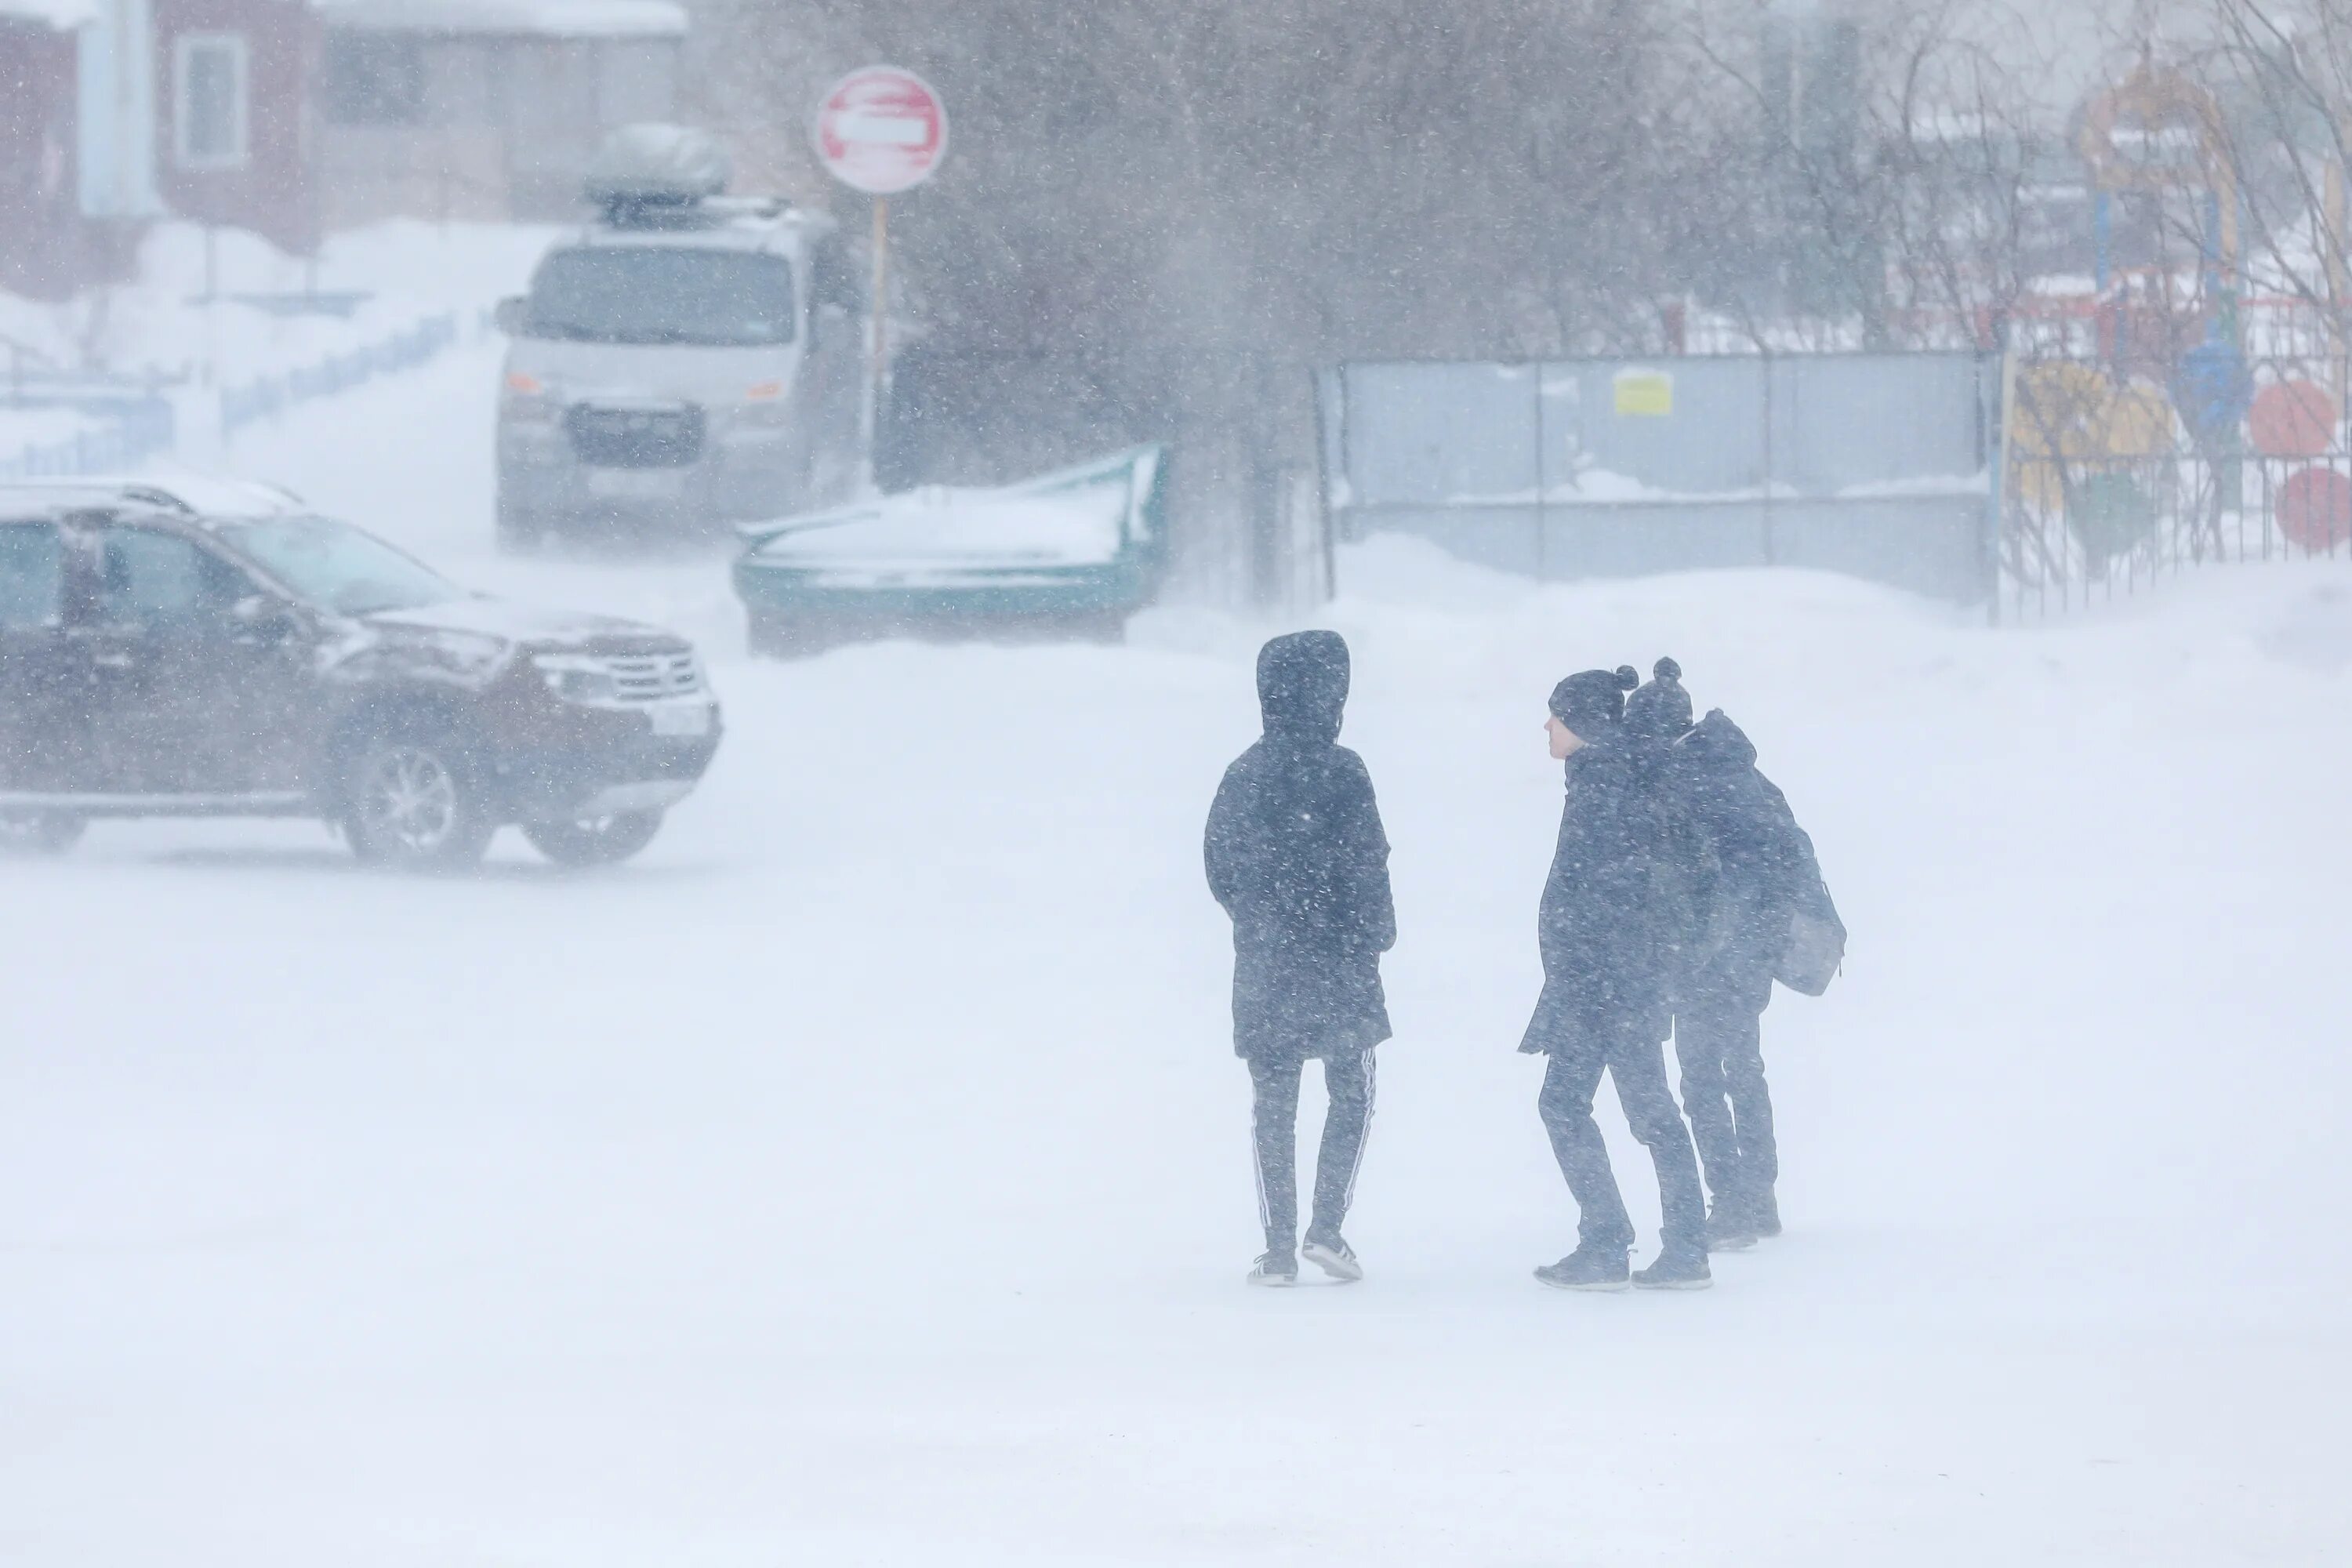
x=881, y=131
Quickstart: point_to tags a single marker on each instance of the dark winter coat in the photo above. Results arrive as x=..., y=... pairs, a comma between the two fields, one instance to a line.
x=1746, y=860
x=1297, y=855
x=1605, y=926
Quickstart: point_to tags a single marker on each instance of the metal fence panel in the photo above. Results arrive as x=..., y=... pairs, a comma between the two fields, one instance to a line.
x=1931, y=545
x=1682, y=427
x=1507, y=538
x=1875, y=465
x=1847, y=422
x=1443, y=435
x=1633, y=540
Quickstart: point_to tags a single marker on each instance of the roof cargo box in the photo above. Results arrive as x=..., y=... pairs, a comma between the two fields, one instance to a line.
x=655, y=165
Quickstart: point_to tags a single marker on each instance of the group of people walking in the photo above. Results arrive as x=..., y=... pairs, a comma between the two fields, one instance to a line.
x=1681, y=889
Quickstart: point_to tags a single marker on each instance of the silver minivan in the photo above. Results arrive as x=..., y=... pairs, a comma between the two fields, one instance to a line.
x=687, y=360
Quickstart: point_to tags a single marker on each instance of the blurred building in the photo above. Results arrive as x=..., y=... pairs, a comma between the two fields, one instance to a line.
x=481, y=109
x=292, y=118
x=48, y=243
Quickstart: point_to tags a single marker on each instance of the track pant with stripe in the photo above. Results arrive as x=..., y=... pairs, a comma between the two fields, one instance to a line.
x=1274, y=1126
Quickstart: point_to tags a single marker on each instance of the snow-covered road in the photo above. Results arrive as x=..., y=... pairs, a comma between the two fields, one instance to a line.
x=861, y=1178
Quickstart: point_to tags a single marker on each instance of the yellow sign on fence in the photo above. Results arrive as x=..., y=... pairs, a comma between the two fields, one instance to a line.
x=1646, y=394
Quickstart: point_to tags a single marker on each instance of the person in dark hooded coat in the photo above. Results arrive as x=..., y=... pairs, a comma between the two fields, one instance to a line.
x=1606, y=932
x=1751, y=868
x=1297, y=855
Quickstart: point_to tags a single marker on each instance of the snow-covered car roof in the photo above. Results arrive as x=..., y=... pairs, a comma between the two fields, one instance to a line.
x=189, y=495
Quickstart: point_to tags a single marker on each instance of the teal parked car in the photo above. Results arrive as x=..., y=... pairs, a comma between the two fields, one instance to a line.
x=1070, y=553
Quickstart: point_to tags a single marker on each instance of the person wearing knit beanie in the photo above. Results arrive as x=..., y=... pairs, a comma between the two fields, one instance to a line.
x=1589, y=705
x=1603, y=933
x=1757, y=879
x=1661, y=710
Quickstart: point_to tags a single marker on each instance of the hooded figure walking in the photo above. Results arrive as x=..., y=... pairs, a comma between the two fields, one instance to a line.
x=1298, y=858
x=1607, y=931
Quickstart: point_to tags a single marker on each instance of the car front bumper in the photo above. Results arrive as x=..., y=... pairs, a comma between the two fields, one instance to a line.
x=579, y=784
x=741, y=476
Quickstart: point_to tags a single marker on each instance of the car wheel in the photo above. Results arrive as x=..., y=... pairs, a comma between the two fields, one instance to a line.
x=599, y=841
x=410, y=799
x=40, y=832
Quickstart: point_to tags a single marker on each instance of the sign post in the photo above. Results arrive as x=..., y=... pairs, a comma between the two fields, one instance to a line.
x=880, y=130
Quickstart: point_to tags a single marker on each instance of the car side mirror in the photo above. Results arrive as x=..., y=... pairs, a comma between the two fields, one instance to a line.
x=512, y=316
x=259, y=618
x=827, y=323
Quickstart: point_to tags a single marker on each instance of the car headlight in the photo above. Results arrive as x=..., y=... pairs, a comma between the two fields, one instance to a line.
x=527, y=400
x=473, y=657
x=575, y=677
x=764, y=407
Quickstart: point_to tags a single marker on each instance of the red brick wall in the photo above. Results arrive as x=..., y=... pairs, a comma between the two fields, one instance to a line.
x=274, y=192
x=47, y=248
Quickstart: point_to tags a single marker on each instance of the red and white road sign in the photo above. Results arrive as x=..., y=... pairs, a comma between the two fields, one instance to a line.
x=881, y=131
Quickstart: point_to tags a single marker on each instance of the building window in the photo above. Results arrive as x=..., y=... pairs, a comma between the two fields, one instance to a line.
x=212, y=108
x=374, y=80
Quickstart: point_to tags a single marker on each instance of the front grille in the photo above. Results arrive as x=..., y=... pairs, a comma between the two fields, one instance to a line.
x=653, y=676
x=635, y=438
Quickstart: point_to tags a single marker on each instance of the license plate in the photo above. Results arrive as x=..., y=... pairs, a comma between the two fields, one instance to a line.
x=636, y=484
x=682, y=719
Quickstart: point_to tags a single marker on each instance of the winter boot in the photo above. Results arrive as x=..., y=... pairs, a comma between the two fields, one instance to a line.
x=1334, y=1256
x=1275, y=1268
x=1677, y=1268
x=1764, y=1212
x=1586, y=1268
x=1729, y=1229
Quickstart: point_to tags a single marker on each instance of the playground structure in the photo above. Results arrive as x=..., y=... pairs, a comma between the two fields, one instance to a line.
x=2173, y=416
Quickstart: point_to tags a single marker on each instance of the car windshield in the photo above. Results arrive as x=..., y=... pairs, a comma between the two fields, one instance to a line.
x=335, y=566
x=651, y=294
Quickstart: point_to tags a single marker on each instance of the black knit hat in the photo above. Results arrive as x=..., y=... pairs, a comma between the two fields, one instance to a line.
x=1661, y=710
x=1594, y=700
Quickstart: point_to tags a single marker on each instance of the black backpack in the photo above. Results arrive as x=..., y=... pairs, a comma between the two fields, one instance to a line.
x=1816, y=945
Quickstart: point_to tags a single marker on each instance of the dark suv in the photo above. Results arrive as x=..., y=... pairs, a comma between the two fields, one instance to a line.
x=164, y=655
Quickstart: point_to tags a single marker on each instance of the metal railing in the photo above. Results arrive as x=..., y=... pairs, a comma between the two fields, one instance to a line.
x=136, y=432
x=2080, y=529
x=268, y=397
x=135, y=429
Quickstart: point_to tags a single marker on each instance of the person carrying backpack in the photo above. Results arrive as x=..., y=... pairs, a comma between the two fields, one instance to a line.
x=1606, y=939
x=1763, y=912
x=1298, y=858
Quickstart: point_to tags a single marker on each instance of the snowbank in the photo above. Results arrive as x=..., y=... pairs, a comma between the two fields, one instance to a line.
x=22, y=427
x=191, y=319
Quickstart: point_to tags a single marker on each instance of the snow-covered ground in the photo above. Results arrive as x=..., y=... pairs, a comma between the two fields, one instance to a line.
x=861, y=1178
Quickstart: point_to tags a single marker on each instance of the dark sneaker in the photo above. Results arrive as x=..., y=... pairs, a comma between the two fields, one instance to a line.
x=1764, y=1213
x=1275, y=1268
x=1586, y=1268
x=1335, y=1257
x=1677, y=1268
x=1729, y=1229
